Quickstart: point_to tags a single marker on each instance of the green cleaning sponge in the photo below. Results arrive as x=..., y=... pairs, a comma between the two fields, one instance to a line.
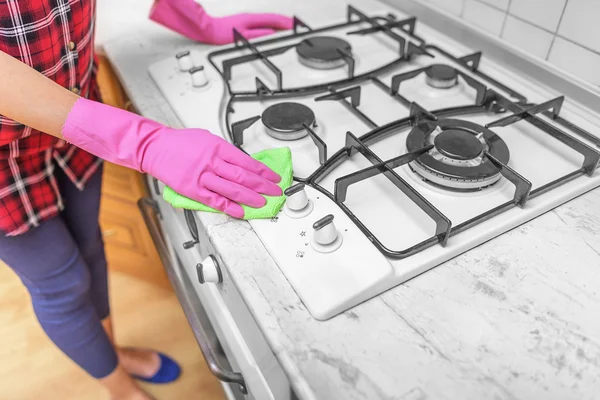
x=279, y=160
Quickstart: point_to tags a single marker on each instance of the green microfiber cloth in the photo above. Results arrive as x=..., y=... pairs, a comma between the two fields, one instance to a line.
x=279, y=160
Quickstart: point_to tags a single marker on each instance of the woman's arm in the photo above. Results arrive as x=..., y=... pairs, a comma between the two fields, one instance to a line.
x=193, y=162
x=31, y=98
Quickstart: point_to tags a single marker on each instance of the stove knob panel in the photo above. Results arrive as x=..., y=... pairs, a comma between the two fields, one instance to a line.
x=185, y=61
x=325, y=232
x=199, y=78
x=209, y=271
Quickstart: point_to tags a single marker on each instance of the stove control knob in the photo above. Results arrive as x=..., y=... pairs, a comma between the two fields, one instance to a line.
x=324, y=231
x=296, y=198
x=198, y=76
x=209, y=271
x=185, y=60
x=297, y=204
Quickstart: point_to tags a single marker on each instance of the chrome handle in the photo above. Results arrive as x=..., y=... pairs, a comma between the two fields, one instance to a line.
x=225, y=375
x=193, y=228
x=155, y=184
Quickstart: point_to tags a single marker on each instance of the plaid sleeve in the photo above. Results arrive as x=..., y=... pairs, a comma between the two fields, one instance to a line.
x=55, y=37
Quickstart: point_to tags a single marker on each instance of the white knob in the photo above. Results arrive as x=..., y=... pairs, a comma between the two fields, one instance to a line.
x=198, y=76
x=185, y=61
x=324, y=231
x=296, y=198
x=209, y=271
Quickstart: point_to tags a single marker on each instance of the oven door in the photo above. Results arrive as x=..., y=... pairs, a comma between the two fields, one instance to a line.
x=232, y=344
x=220, y=366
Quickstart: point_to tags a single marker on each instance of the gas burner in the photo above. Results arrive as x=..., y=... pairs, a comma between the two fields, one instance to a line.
x=457, y=160
x=286, y=121
x=441, y=76
x=458, y=145
x=323, y=52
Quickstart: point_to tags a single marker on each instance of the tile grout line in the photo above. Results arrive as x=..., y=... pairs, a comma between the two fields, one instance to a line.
x=505, y=18
x=596, y=52
x=554, y=34
x=462, y=8
x=557, y=28
x=494, y=6
x=532, y=24
x=483, y=3
x=516, y=16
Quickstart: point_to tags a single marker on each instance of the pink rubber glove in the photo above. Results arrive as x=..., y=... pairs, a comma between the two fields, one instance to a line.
x=189, y=19
x=193, y=162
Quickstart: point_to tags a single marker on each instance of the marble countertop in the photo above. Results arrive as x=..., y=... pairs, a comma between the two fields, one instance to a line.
x=515, y=318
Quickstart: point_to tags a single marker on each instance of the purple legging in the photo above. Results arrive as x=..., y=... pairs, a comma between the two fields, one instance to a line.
x=63, y=265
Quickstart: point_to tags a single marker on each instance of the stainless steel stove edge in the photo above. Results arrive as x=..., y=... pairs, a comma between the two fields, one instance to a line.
x=232, y=343
x=585, y=94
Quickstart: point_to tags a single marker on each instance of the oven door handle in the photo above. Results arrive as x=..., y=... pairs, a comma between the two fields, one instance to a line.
x=193, y=228
x=156, y=188
x=147, y=208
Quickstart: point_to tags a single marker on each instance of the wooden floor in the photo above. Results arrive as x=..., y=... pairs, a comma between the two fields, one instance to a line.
x=144, y=308
x=145, y=311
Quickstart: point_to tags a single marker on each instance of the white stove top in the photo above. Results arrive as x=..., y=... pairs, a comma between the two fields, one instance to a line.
x=391, y=226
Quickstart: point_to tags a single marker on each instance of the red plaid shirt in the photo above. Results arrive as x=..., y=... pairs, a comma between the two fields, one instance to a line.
x=56, y=37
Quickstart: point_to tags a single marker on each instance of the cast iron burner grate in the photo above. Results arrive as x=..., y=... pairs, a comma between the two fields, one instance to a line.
x=421, y=151
x=406, y=49
x=287, y=121
x=452, y=150
x=323, y=52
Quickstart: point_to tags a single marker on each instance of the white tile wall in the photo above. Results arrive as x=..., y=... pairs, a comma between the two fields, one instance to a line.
x=580, y=23
x=501, y=4
x=484, y=16
x=453, y=6
x=527, y=37
x=565, y=33
x=543, y=13
x=576, y=60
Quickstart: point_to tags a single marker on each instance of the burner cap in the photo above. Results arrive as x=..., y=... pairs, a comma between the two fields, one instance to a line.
x=456, y=161
x=285, y=121
x=458, y=144
x=441, y=76
x=323, y=52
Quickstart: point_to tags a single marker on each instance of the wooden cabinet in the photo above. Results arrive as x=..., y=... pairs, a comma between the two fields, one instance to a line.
x=128, y=244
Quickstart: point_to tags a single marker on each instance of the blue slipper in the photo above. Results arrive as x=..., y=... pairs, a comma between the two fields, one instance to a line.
x=168, y=372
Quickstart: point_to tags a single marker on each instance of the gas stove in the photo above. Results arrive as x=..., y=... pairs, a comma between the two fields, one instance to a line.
x=408, y=149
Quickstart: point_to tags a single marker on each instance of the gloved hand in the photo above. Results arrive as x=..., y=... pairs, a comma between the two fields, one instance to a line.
x=189, y=19
x=193, y=162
